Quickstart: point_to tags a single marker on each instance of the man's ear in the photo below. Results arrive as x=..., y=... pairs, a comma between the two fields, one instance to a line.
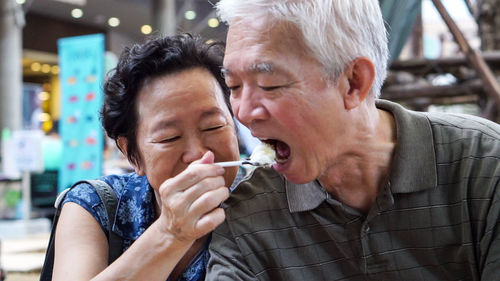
x=360, y=75
x=123, y=144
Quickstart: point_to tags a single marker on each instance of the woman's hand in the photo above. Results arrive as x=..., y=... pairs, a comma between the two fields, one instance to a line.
x=190, y=200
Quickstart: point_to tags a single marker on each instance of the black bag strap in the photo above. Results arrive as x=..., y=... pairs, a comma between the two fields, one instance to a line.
x=108, y=197
x=110, y=201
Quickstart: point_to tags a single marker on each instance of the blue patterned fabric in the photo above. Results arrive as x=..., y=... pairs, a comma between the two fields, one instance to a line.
x=135, y=213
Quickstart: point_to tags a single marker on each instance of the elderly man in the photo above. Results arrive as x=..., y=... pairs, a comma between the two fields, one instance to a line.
x=362, y=188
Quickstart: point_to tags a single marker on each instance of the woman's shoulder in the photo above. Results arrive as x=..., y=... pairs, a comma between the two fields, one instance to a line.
x=86, y=196
x=83, y=192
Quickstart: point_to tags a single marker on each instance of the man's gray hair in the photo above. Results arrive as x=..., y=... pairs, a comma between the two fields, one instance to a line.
x=336, y=31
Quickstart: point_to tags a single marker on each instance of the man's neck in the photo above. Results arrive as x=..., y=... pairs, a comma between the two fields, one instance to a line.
x=358, y=174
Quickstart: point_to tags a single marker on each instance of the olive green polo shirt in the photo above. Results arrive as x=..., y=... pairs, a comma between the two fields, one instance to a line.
x=436, y=218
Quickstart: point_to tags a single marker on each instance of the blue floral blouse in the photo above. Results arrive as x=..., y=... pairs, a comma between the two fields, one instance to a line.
x=135, y=213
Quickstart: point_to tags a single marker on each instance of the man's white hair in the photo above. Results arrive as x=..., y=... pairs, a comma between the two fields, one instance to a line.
x=336, y=31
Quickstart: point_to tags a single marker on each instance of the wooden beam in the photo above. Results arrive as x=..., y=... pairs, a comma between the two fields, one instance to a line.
x=409, y=92
x=423, y=103
x=473, y=56
x=419, y=65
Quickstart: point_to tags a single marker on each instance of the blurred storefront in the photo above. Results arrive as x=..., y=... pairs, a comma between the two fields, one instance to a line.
x=31, y=93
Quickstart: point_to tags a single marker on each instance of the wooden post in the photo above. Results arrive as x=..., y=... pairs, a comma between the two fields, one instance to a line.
x=472, y=9
x=417, y=46
x=473, y=56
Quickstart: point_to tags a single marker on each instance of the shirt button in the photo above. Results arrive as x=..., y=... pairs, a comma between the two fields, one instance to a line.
x=366, y=228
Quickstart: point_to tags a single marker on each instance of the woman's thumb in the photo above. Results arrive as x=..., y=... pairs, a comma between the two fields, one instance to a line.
x=207, y=158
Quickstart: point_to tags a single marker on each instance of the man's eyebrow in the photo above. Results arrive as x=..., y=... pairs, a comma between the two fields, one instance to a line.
x=261, y=67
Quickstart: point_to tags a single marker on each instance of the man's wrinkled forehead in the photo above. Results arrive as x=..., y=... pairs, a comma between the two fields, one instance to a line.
x=273, y=38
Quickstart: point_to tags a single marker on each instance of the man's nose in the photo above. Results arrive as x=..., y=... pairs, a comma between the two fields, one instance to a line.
x=248, y=107
x=194, y=150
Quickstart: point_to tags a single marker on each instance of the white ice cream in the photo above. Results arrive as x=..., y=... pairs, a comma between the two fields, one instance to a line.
x=264, y=154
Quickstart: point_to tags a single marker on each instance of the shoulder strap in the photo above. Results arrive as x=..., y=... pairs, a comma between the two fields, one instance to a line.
x=110, y=201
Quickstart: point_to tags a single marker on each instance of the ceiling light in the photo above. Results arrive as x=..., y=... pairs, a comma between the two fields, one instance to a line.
x=146, y=29
x=54, y=69
x=45, y=68
x=44, y=117
x=43, y=96
x=20, y=2
x=36, y=66
x=77, y=13
x=213, y=22
x=190, y=15
x=113, y=22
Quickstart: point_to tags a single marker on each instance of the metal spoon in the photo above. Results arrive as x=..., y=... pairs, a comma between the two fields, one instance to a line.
x=241, y=162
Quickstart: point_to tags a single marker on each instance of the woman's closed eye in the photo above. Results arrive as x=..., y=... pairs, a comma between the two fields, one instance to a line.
x=213, y=128
x=167, y=140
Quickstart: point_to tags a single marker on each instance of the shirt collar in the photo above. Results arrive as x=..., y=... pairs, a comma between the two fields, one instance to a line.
x=304, y=197
x=413, y=167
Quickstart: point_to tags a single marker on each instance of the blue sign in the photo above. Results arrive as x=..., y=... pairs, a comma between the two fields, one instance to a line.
x=81, y=61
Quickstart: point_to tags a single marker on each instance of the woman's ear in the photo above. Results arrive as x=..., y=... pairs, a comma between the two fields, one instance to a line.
x=360, y=75
x=123, y=144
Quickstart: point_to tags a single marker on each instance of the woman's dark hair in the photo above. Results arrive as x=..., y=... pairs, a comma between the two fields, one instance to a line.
x=141, y=62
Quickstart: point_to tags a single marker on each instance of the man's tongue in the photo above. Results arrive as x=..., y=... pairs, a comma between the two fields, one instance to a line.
x=282, y=150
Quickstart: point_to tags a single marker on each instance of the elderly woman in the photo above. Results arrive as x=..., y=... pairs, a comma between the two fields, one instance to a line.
x=166, y=107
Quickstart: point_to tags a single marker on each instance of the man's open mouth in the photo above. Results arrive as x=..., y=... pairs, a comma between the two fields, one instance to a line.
x=281, y=148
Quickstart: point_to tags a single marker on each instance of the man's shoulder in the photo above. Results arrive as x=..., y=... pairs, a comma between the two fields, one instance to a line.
x=255, y=191
x=467, y=149
x=258, y=181
x=465, y=135
x=444, y=121
x=464, y=123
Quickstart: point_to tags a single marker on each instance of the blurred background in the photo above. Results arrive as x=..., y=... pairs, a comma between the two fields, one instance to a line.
x=445, y=56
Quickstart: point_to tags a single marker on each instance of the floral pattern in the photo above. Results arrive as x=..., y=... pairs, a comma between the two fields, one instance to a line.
x=135, y=213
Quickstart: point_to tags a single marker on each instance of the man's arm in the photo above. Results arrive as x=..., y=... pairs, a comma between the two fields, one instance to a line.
x=226, y=261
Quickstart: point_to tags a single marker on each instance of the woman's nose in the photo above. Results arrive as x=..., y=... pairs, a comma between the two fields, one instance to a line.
x=194, y=150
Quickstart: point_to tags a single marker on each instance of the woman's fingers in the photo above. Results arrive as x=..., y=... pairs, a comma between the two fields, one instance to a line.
x=193, y=174
x=203, y=216
x=208, y=201
x=210, y=221
x=193, y=196
x=181, y=200
x=184, y=209
x=196, y=191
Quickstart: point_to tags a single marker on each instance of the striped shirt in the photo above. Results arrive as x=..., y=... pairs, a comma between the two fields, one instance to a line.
x=436, y=218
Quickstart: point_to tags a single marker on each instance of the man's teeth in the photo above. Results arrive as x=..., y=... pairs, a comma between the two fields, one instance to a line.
x=281, y=160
